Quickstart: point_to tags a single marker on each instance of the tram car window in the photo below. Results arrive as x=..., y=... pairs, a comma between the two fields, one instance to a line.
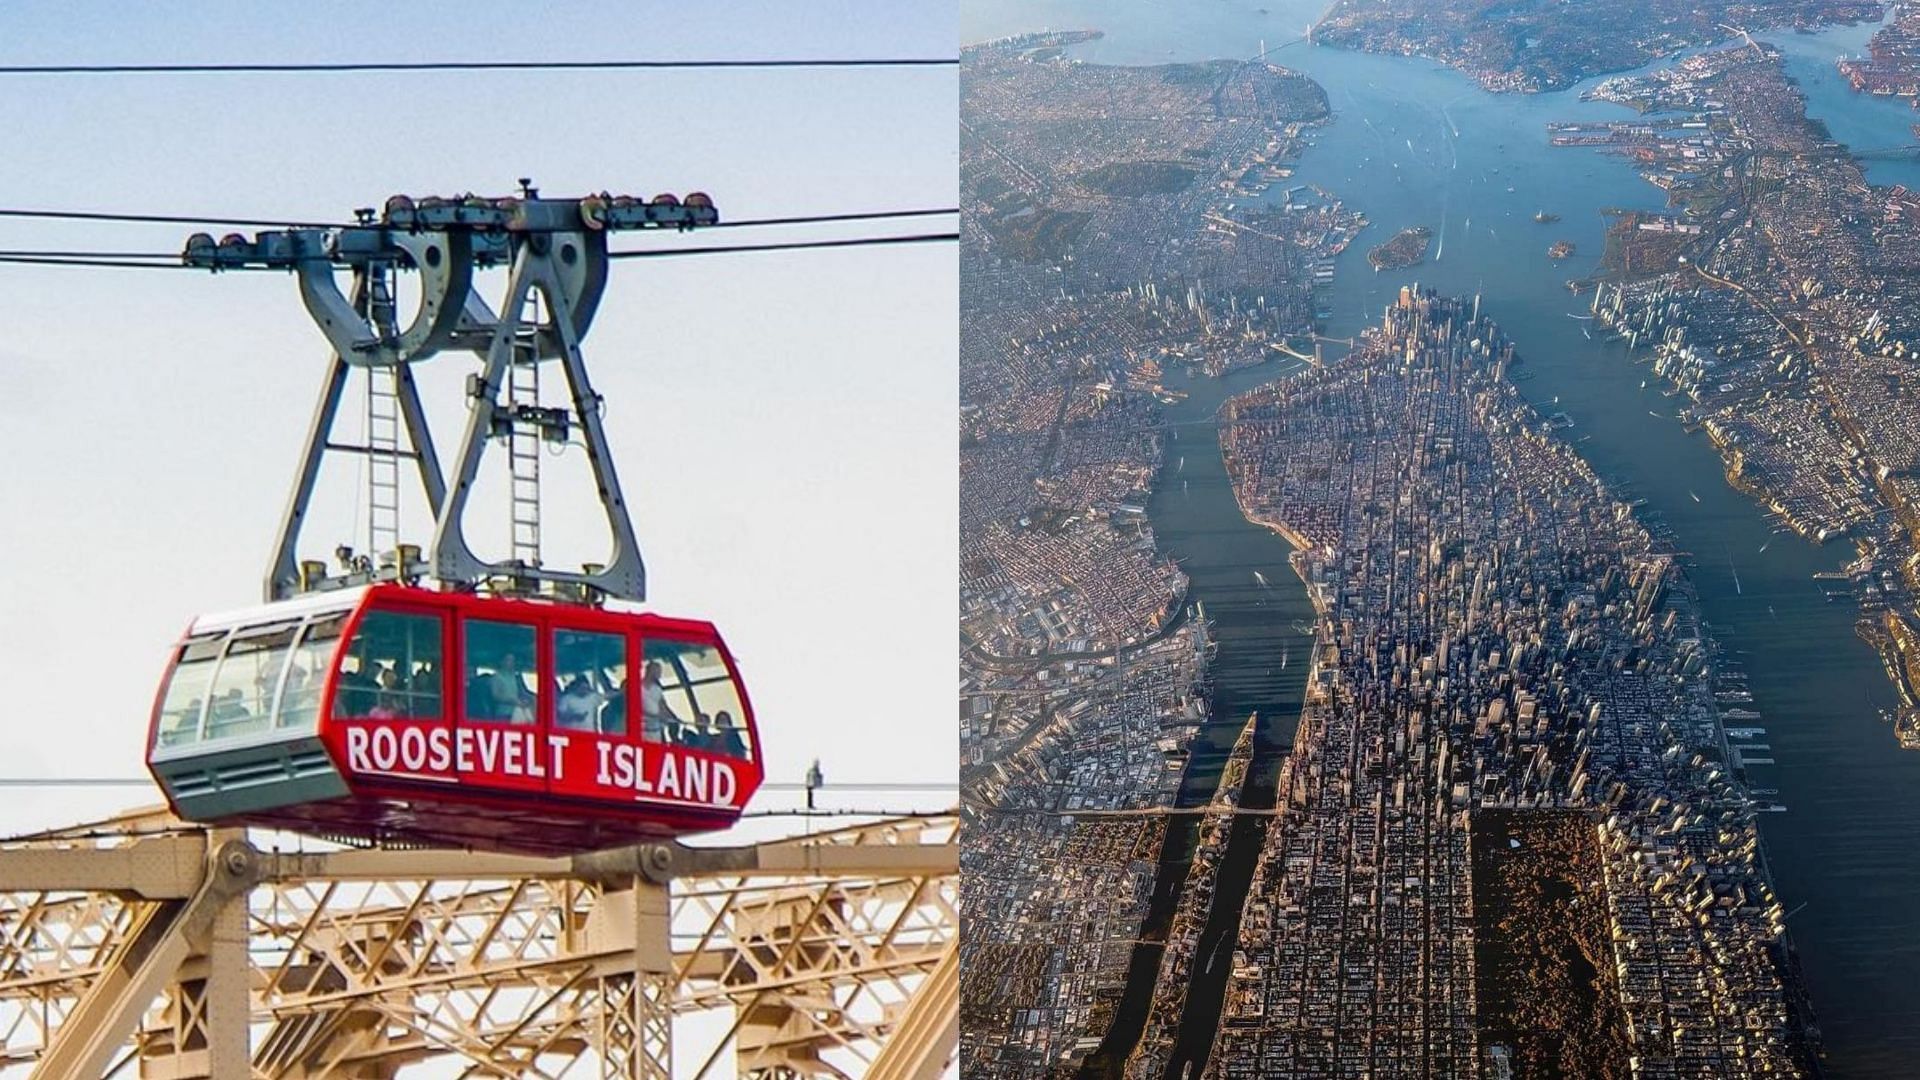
x=240, y=701
x=499, y=657
x=307, y=673
x=393, y=668
x=184, y=701
x=695, y=701
x=590, y=672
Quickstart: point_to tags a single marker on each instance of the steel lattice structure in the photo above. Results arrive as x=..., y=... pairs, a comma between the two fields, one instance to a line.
x=146, y=946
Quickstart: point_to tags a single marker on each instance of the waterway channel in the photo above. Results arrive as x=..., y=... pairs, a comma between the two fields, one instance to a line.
x=1412, y=143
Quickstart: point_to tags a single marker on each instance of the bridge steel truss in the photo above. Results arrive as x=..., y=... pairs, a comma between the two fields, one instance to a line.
x=144, y=946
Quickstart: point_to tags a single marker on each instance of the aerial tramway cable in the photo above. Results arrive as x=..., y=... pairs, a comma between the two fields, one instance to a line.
x=152, y=260
x=272, y=223
x=398, y=66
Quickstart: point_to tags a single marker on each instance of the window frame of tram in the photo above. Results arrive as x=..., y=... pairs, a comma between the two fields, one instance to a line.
x=231, y=711
x=308, y=670
x=194, y=663
x=708, y=697
x=223, y=709
x=599, y=663
x=532, y=698
x=384, y=637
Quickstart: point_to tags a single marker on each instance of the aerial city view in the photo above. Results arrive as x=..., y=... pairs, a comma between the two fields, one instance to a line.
x=1440, y=539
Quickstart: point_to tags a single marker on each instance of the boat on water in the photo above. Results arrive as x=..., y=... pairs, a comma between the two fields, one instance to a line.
x=1696, y=498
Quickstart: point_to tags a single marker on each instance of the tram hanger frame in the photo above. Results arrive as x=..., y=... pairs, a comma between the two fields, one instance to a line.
x=555, y=249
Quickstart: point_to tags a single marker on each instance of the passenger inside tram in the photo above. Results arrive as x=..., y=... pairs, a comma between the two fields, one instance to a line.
x=580, y=704
x=181, y=724
x=613, y=716
x=699, y=734
x=390, y=702
x=506, y=691
x=228, y=707
x=592, y=670
x=353, y=693
x=240, y=700
x=184, y=701
x=690, y=679
x=658, y=721
x=728, y=739
x=497, y=687
x=425, y=688
x=391, y=670
x=300, y=700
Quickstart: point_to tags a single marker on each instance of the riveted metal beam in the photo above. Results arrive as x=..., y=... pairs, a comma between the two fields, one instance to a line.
x=822, y=951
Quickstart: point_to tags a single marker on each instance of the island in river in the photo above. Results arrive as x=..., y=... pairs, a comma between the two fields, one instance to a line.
x=1407, y=248
x=1530, y=46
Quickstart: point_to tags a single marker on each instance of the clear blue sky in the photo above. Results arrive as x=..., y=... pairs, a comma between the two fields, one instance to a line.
x=784, y=423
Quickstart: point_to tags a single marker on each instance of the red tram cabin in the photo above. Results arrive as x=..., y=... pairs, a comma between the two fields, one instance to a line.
x=406, y=716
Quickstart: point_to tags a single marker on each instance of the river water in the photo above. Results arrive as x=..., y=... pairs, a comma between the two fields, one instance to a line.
x=1415, y=144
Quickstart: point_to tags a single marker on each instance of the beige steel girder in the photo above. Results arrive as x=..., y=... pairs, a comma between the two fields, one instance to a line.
x=147, y=946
